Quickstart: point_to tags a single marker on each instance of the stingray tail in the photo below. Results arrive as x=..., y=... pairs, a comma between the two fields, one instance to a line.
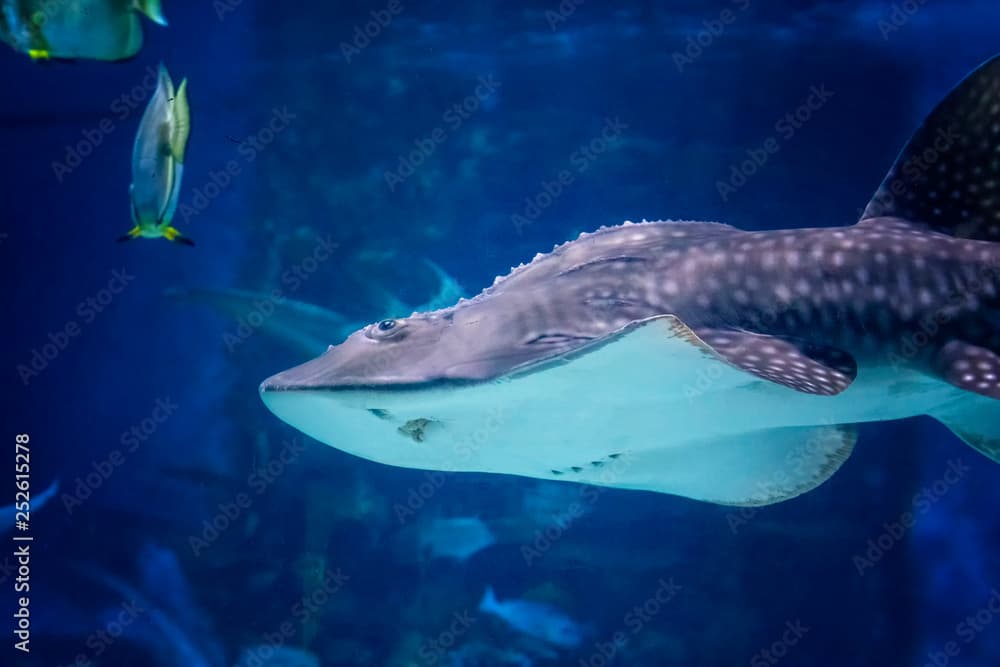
x=948, y=175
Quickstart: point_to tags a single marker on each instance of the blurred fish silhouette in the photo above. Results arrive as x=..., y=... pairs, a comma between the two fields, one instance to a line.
x=158, y=162
x=694, y=358
x=448, y=292
x=535, y=619
x=301, y=326
x=70, y=29
x=457, y=538
x=554, y=504
x=304, y=327
x=166, y=620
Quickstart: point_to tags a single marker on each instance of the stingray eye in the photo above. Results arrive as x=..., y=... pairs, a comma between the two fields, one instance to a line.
x=384, y=329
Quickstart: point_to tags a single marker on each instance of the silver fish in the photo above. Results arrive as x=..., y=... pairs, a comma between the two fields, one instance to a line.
x=535, y=619
x=456, y=538
x=694, y=358
x=158, y=162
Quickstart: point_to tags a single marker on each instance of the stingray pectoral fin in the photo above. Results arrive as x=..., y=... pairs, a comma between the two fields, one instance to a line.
x=971, y=368
x=976, y=420
x=796, y=364
x=760, y=467
x=974, y=417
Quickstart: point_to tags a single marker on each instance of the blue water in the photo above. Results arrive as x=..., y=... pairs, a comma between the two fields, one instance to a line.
x=192, y=526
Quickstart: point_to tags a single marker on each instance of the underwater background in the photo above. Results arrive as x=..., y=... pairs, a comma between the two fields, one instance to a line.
x=371, y=158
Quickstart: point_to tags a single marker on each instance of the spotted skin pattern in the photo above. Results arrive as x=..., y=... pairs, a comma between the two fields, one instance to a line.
x=800, y=307
x=970, y=367
x=806, y=308
x=948, y=176
x=791, y=362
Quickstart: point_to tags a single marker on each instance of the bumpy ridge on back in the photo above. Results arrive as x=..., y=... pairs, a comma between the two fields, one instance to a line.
x=710, y=226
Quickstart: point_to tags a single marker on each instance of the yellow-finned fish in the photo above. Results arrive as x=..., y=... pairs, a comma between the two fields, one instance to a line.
x=70, y=29
x=158, y=162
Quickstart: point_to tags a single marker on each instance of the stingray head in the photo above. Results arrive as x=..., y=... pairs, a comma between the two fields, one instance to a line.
x=408, y=377
x=457, y=345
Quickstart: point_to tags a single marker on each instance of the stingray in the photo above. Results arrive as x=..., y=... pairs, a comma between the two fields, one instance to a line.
x=694, y=358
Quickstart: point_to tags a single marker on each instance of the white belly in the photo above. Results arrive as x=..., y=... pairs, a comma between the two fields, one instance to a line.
x=642, y=412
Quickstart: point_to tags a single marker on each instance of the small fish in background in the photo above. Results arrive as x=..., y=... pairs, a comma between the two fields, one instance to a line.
x=449, y=291
x=70, y=29
x=555, y=503
x=158, y=162
x=168, y=622
x=457, y=538
x=535, y=619
x=298, y=325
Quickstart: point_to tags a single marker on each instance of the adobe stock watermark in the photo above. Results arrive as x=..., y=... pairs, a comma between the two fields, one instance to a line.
x=966, y=632
x=546, y=538
x=434, y=650
x=225, y=7
x=711, y=30
x=452, y=120
x=580, y=161
x=130, y=440
x=913, y=171
x=929, y=327
x=249, y=149
x=302, y=612
x=92, y=137
x=86, y=311
x=898, y=16
x=292, y=280
x=637, y=618
x=99, y=641
x=894, y=531
x=561, y=14
x=366, y=33
x=780, y=648
x=800, y=463
x=463, y=449
x=785, y=127
x=258, y=482
x=8, y=569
